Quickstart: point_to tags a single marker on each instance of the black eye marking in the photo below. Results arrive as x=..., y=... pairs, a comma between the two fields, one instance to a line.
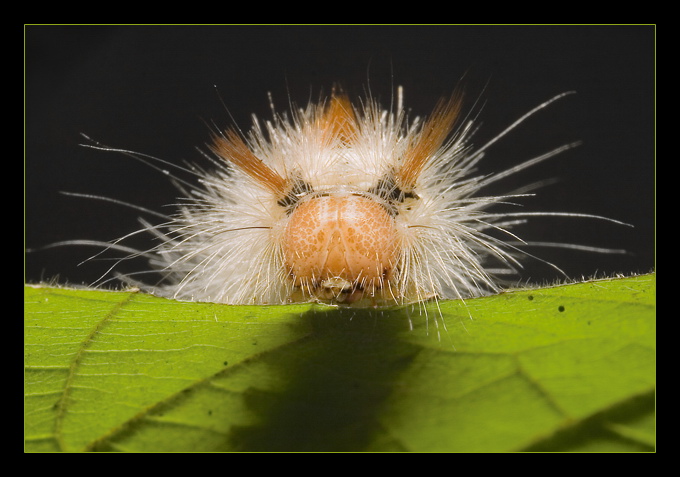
x=387, y=189
x=299, y=189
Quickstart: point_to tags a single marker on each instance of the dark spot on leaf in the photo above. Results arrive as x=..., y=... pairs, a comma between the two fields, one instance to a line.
x=560, y=308
x=530, y=297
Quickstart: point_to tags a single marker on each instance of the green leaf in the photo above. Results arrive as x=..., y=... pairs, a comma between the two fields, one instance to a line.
x=566, y=368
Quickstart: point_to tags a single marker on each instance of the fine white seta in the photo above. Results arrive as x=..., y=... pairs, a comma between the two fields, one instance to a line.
x=343, y=204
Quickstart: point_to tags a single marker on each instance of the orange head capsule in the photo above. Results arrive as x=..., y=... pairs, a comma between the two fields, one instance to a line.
x=341, y=247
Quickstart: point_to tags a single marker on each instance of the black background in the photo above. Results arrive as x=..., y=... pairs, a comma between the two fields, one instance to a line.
x=156, y=89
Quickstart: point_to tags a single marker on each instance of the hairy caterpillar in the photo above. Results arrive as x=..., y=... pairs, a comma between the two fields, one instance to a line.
x=342, y=204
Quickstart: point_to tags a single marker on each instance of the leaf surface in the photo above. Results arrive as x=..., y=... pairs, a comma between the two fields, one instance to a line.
x=566, y=368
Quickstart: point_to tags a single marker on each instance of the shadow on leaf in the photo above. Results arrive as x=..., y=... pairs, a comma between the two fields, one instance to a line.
x=337, y=381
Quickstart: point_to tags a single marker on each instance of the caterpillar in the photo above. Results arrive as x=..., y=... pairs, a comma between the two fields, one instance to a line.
x=341, y=203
